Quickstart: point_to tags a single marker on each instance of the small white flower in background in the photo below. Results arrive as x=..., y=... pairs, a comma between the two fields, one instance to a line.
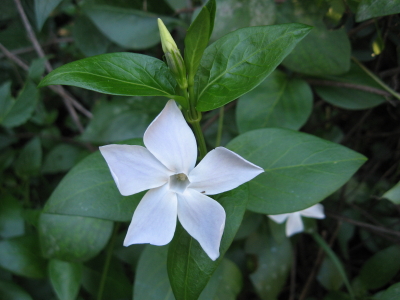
x=177, y=188
x=294, y=223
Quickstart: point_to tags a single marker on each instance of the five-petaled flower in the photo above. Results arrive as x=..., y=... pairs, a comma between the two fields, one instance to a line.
x=294, y=223
x=166, y=167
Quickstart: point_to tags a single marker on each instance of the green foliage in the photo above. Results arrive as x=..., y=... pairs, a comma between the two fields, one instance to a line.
x=279, y=101
x=65, y=278
x=238, y=62
x=186, y=254
x=300, y=169
x=327, y=68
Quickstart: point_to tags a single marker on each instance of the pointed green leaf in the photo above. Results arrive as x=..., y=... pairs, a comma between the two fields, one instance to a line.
x=43, y=9
x=393, y=194
x=128, y=74
x=65, y=277
x=300, y=169
x=29, y=160
x=196, y=41
x=241, y=60
x=212, y=9
x=11, y=291
x=22, y=108
x=189, y=267
x=368, y=9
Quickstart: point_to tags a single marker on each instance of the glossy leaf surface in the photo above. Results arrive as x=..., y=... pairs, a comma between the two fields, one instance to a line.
x=241, y=60
x=300, y=169
x=128, y=74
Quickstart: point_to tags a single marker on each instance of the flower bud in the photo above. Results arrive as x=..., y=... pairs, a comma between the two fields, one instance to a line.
x=174, y=58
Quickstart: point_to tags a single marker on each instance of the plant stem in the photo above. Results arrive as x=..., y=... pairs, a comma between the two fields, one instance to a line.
x=220, y=125
x=320, y=241
x=109, y=252
x=200, y=138
x=377, y=80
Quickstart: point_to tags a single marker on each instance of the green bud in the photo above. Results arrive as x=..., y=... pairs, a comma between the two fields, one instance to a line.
x=174, y=58
x=167, y=42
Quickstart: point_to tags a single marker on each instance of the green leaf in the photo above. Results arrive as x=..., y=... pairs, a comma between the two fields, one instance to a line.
x=11, y=291
x=116, y=285
x=30, y=159
x=73, y=238
x=392, y=293
x=19, y=111
x=11, y=220
x=323, y=51
x=350, y=98
x=234, y=14
x=36, y=69
x=380, y=268
x=368, y=9
x=6, y=100
x=65, y=277
x=393, y=194
x=300, y=169
x=151, y=280
x=241, y=60
x=21, y=256
x=279, y=101
x=122, y=119
x=89, y=190
x=274, y=260
x=88, y=38
x=226, y=283
x=61, y=158
x=128, y=74
x=129, y=28
x=329, y=276
x=189, y=267
x=212, y=10
x=43, y=9
x=196, y=41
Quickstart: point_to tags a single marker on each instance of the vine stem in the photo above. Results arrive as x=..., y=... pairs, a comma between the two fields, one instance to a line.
x=199, y=137
x=377, y=80
x=321, y=242
x=109, y=252
x=220, y=126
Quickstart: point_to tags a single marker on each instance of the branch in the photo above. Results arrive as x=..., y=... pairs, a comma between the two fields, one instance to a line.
x=62, y=92
x=364, y=88
x=39, y=51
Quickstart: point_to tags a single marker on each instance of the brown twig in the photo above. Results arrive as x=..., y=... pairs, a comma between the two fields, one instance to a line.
x=40, y=52
x=49, y=43
x=363, y=225
x=61, y=92
x=364, y=88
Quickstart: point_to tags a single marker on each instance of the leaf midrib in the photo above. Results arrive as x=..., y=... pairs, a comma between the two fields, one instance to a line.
x=127, y=82
x=241, y=62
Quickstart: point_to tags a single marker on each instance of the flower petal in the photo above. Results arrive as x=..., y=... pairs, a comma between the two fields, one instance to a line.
x=134, y=168
x=316, y=211
x=203, y=218
x=279, y=218
x=220, y=171
x=154, y=220
x=170, y=139
x=294, y=224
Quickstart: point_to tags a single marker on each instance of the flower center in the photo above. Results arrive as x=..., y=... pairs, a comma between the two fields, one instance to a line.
x=178, y=183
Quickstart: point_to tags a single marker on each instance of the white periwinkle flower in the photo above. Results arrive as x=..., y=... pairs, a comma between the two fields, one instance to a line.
x=166, y=167
x=294, y=223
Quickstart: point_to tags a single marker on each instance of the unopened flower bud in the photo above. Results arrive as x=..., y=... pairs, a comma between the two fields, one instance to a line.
x=174, y=58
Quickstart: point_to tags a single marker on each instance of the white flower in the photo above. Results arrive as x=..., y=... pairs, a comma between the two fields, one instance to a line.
x=294, y=223
x=177, y=188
